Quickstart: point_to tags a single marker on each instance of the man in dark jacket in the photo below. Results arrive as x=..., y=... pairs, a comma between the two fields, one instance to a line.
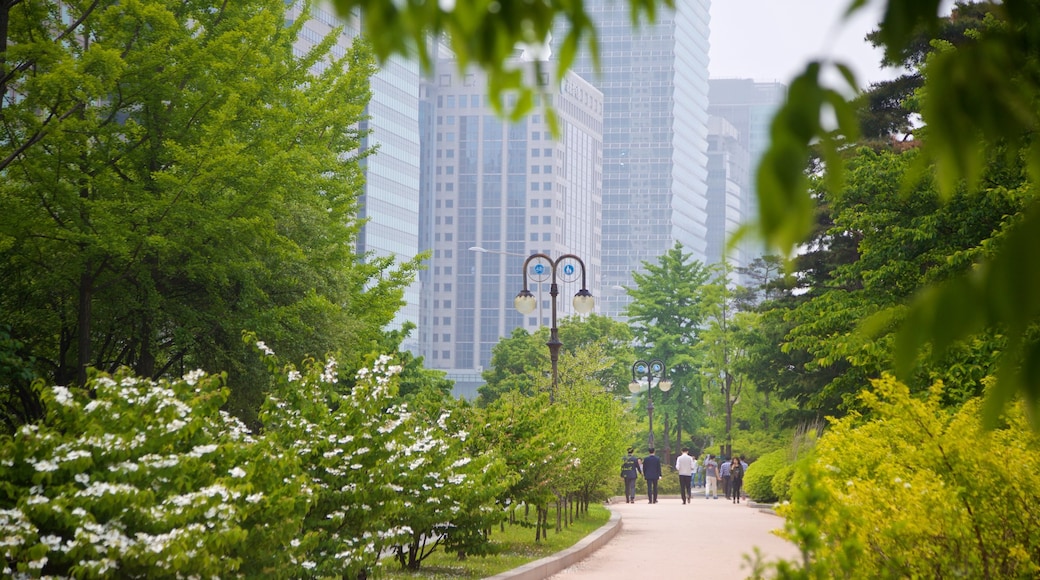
x=651, y=472
x=630, y=470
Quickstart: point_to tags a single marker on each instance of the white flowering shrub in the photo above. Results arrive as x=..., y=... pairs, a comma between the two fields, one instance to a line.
x=449, y=492
x=129, y=478
x=384, y=477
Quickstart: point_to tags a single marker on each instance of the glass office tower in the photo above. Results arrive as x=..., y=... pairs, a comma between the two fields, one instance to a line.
x=655, y=124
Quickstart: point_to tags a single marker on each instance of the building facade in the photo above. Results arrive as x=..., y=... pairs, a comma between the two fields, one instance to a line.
x=497, y=192
x=727, y=183
x=655, y=89
x=748, y=106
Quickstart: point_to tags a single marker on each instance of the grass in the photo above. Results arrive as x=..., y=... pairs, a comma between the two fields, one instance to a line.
x=516, y=547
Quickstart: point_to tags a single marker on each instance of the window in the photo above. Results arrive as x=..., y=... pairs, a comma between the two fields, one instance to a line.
x=546, y=220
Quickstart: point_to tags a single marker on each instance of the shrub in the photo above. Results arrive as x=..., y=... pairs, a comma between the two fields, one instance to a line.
x=131, y=478
x=919, y=491
x=781, y=482
x=758, y=481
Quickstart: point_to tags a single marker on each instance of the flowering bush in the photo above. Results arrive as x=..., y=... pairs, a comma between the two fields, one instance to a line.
x=131, y=478
x=386, y=478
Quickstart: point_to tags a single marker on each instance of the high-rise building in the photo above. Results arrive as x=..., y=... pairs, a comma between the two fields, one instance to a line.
x=390, y=201
x=497, y=192
x=748, y=106
x=654, y=81
x=727, y=182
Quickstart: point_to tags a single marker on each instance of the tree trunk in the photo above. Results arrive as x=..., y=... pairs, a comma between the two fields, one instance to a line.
x=83, y=321
x=667, y=442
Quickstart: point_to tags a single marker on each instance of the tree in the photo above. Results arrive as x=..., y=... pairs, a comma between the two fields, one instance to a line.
x=173, y=174
x=978, y=100
x=666, y=314
x=519, y=363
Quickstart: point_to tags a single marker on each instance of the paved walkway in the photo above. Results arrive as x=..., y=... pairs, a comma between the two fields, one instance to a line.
x=704, y=539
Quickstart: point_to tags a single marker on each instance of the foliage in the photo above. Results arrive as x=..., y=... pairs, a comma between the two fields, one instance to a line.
x=131, y=478
x=877, y=246
x=595, y=422
x=520, y=362
x=388, y=477
x=781, y=483
x=670, y=303
x=135, y=479
x=919, y=491
x=978, y=98
x=18, y=400
x=174, y=174
x=758, y=481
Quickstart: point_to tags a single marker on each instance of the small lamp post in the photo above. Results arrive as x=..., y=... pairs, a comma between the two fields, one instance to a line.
x=651, y=369
x=525, y=302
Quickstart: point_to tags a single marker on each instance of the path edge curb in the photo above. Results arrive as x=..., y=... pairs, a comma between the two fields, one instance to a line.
x=550, y=565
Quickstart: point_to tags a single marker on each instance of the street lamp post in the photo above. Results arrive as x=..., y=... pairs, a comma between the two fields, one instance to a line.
x=651, y=369
x=547, y=268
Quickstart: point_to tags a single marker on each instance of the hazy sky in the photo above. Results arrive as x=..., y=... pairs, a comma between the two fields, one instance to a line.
x=772, y=40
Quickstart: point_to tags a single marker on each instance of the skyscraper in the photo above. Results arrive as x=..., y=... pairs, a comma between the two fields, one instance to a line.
x=727, y=183
x=496, y=193
x=655, y=89
x=748, y=106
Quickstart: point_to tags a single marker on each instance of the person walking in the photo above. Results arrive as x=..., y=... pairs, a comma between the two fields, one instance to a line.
x=724, y=476
x=651, y=473
x=630, y=470
x=736, y=478
x=711, y=474
x=684, y=464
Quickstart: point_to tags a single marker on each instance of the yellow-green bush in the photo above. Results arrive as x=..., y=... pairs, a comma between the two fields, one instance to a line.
x=918, y=491
x=781, y=482
x=758, y=481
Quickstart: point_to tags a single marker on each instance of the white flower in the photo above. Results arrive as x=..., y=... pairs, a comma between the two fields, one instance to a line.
x=62, y=395
x=46, y=466
x=237, y=472
x=309, y=565
x=193, y=377
x=264, y=348
x=294, y=375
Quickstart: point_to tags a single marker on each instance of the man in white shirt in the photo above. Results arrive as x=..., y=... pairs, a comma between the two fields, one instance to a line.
x=684, y=465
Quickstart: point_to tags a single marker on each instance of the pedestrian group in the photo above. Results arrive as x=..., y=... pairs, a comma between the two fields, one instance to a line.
x=709, y=473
